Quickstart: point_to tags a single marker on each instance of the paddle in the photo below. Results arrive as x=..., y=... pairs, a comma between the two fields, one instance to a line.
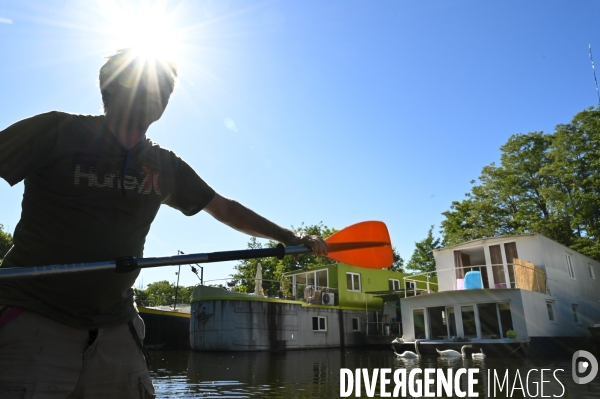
x=365, y=244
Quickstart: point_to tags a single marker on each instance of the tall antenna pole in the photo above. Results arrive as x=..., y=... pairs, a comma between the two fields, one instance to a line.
x=594, y=69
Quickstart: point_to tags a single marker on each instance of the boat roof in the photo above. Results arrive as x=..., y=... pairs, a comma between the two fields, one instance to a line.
x=481, y=240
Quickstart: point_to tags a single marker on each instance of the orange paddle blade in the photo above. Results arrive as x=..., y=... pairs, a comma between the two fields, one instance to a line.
x=365, y=244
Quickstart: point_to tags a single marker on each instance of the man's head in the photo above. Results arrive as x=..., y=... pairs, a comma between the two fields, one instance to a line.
x=135, y=86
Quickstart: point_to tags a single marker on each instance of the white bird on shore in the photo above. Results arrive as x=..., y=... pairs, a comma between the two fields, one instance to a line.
x=453, y=353
x=409, y=354
x=399, y=340
x=478, y=356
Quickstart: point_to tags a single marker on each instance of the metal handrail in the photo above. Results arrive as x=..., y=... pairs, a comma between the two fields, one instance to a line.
x=284, y=285
x=415, y=289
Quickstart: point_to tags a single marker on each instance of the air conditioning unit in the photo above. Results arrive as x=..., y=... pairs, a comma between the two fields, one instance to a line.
x=327, y=298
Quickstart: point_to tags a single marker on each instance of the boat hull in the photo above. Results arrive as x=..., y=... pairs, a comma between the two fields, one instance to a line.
x=165, y=329
x=270, y=325
x=379, y=341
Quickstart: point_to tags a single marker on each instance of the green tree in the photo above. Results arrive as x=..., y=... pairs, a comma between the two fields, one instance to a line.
x=273, y=268
x=184, y=295
x=6, y=241
x=141, y=297
x=575, y=192
x=163, y=293
x=398, y=265
x=422, y=259
x=509, y=199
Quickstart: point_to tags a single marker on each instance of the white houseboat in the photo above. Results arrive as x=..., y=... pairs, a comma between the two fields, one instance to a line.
x=526, y=292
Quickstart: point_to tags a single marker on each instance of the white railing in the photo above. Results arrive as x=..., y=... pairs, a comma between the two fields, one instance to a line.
x=282, y=289
x=507, y=273
x=415, y=290
x=503, y=275
x=457, y=280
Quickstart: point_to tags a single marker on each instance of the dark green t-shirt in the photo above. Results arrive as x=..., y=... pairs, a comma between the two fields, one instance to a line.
x=86, y=200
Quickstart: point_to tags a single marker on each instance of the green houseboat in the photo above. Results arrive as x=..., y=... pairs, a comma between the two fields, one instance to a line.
x=329, y=307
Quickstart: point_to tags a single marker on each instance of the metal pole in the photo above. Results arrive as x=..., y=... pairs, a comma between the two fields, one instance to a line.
x=481, y=277
x=177, y=288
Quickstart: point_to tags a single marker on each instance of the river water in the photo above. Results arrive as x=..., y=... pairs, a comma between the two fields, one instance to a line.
x=316, y=374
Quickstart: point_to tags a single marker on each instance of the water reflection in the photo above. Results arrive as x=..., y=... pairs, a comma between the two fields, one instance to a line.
x=316, y=374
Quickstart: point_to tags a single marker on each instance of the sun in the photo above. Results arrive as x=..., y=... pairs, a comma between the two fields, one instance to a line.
x=148, y=28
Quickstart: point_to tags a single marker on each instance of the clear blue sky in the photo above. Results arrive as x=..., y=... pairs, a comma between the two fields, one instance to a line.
x=310, y=111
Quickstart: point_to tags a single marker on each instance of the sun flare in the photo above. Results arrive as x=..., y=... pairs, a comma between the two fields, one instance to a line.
x=150, y=30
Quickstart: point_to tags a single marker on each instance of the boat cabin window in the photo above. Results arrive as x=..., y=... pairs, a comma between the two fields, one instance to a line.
x=322, y=278
x=318, y=278
x=550, y=308
x=503, y=271
x=510, y=250
x=489, y=320
x=497, y=267
x=506, y=322
x=591, y=271
x=470, y=260
x=570, y=269
x=355, y=324
x=419, y=323
x=575, y=315
x=438, y=328
x=394, y=284
x=353, y=281
x=451, y=322
x=461, y=260
x=468, y=320
x=319, y=323
x=482, y=320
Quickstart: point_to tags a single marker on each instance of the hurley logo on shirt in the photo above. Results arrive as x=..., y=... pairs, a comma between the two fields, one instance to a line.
x=148, y=183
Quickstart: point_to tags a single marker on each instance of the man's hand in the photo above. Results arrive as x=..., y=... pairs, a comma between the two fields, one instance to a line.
x=316, y=243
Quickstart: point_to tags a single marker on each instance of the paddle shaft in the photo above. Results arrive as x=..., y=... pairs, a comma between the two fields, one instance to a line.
x=130, y=263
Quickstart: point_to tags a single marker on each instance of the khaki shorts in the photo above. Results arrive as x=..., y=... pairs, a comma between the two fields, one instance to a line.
x=43, y=359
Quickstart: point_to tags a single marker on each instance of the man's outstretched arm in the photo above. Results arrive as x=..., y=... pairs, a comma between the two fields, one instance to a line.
x=238, y=217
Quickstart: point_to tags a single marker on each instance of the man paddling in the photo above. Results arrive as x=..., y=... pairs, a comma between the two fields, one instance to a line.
x=93, y=185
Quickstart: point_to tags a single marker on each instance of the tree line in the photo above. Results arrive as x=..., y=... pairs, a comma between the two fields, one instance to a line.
x=162, y=293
